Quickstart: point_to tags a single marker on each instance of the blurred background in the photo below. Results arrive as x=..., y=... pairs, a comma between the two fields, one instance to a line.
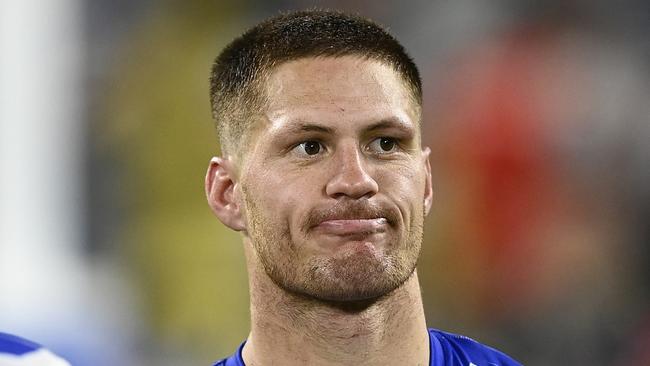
x=537, y=113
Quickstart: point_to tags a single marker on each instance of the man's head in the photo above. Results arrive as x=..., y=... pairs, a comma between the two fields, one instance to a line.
x=240, y=72
x=334, y=184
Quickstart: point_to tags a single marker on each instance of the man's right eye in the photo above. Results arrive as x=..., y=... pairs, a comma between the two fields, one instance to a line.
x=309, y=147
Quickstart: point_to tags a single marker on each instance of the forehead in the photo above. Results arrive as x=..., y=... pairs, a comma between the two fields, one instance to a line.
x=345, y=90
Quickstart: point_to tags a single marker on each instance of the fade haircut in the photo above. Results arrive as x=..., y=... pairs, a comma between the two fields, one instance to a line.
x=239, y=73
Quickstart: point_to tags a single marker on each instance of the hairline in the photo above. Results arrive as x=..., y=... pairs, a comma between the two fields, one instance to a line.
x=259, y=87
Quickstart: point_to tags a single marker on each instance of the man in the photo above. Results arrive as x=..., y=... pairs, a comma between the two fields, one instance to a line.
x=324, y=175
x=16, y=351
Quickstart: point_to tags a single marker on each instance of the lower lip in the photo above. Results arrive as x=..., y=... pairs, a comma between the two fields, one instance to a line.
x=353, y=227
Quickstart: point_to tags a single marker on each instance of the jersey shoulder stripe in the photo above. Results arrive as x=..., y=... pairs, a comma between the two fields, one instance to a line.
x=16, y=351
x=15, y=345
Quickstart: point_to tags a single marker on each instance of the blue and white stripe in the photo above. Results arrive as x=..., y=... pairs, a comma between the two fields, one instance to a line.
x=16, y=351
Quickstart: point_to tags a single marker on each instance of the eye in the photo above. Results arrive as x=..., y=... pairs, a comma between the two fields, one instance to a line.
x=309, y=147
x=383, y=145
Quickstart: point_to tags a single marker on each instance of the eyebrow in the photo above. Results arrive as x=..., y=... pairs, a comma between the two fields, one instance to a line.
x=309, y=127
x=387, y=123
x=391, y=122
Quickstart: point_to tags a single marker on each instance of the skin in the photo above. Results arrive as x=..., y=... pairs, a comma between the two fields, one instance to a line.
x=330, y=198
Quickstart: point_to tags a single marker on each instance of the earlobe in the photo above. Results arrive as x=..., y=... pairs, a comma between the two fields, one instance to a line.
x=221, y=192
x=428, y=185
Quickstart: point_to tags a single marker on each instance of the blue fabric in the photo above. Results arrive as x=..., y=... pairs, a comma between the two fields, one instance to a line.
x=445, y=349
x=15, y=345
x=448, y=349
x=234, y=360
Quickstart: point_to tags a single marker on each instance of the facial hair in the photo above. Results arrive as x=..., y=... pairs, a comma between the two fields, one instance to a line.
x=342, y=277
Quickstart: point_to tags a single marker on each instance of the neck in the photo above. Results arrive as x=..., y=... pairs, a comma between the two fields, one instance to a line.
x=289, y=329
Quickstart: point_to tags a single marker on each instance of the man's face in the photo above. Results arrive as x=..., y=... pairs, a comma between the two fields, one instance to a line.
x=335, y=180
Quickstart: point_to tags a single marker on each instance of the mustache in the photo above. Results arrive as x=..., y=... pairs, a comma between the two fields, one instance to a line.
x=352, y=210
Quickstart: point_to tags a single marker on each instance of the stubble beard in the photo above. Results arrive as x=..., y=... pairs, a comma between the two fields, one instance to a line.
x=344, y=278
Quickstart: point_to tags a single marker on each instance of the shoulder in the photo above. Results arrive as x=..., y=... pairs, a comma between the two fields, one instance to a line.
x=230, y=361
x=16, y=351
x=461, y=350
x=234, y=360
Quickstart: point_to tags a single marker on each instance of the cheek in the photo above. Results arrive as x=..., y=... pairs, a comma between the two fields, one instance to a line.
x=404, y=180
x=405, y=186
x=277, y=197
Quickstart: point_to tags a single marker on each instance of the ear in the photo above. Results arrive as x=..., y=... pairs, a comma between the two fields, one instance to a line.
x=428, y=186
x=222, y=193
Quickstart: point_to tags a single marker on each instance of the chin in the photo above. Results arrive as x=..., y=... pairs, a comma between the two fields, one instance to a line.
x=356, y=273
x=355, y=278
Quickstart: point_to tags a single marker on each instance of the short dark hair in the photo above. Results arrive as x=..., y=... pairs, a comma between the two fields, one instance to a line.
x=240, y=70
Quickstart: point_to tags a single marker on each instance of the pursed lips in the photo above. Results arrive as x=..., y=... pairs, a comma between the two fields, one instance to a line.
x=353, y=226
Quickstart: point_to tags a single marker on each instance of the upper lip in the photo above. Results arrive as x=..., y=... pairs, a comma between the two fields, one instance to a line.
x=351, y=211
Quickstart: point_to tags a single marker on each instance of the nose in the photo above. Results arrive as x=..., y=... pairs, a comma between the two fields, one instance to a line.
x=351, y=178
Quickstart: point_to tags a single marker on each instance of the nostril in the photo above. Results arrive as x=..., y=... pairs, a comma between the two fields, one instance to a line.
x=354, y=186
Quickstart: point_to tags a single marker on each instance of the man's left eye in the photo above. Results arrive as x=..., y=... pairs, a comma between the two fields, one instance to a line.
x=383, y=145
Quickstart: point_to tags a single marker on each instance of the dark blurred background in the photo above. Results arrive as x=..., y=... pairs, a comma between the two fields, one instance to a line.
x=537, y=113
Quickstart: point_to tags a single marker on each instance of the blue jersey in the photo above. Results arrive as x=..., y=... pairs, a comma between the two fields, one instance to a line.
x=15, y=351
x=445, y=349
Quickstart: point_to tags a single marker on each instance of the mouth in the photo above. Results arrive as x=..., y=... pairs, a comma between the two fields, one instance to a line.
x=353, y=227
